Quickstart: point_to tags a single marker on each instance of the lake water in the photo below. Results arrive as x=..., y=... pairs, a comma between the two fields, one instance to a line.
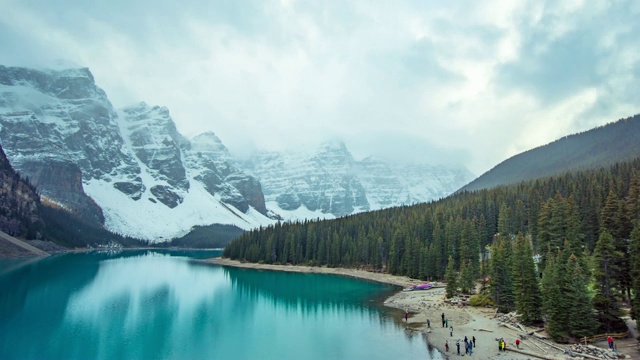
x=165, y=305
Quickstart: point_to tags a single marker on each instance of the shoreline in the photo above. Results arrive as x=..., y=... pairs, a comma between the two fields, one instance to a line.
x=421, y=304
x=428, y=305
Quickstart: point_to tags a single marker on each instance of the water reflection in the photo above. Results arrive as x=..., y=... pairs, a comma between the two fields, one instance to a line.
x=154, y=305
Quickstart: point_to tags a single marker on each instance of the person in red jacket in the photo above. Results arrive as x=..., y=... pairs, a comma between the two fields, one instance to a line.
x=518, y=343
x=610, y=341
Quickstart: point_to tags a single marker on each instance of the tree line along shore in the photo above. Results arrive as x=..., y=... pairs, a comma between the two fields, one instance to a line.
x=563, y=251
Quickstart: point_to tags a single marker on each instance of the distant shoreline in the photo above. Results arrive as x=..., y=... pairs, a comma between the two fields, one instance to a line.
x=384, y=278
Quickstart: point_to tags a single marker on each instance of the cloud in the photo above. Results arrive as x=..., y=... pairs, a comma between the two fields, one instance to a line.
x=462, y=82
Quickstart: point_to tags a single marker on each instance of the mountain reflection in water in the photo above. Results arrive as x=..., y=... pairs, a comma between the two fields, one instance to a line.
x=152, y=305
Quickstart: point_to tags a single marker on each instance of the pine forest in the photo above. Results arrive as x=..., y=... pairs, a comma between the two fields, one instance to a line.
x=564, y=250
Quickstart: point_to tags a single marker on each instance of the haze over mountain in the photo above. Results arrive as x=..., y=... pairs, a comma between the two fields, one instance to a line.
x=599, y=147
x=459, y=83
x=131, y=170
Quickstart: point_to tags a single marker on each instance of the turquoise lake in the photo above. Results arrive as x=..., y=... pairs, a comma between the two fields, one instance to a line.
x=166, y=305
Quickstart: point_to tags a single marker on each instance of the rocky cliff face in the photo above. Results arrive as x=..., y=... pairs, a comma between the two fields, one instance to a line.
x=329, y=182
x=392, y=184
x=321, y=182
x=62, y=120
x=152, y=136
x=221, y=175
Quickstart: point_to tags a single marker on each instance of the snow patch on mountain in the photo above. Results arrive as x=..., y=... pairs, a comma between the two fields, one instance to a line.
x=146, y=219
x=300, y=214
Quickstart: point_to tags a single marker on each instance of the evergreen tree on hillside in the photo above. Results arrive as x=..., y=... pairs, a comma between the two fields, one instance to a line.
x=501, y=280
x=467, y=278
x=581, y=320
x=634, y=254
x=633, y=202
x=504, y=220
x=614, y=222
x=451, y=278
x=553, y=304
x=573, y=227
x=528, y=298
x=606, y=269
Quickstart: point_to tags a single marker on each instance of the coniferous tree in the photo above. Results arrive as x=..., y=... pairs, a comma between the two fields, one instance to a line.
x=633, y=202
x=504, y=220
x=451, y=278
x=467, y=278
x=528, y=298
x=634, y=252
x=581, y=320
x=556, y=309
x=501, y=281
x=615, y=222
x=552, y=299
x=573, y=228
x=605, y=300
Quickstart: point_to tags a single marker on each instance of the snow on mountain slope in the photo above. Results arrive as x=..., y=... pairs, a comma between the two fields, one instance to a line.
x=327, y=182
x=146, y=219
x=316, y=181
x=392, y=184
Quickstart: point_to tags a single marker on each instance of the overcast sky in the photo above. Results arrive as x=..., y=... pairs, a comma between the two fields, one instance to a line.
x=464, y=82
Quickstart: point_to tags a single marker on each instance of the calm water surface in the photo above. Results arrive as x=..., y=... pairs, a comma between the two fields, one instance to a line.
x=164, y=305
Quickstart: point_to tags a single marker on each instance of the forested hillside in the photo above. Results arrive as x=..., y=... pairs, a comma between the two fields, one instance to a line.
x=602, y=146
x=19, y=202
x=579, y=223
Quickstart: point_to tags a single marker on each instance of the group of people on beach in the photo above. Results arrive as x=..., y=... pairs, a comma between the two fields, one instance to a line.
x=502, y=344
x=469, y=344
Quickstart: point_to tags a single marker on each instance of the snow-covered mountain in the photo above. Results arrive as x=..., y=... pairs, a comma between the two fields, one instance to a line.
x=328, y=182
x=130, y=169
x=133, y=172
x=392, y=184
x=319, y=184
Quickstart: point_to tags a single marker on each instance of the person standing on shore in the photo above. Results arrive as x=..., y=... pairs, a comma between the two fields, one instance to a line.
x=458, y=346
x=470, y=349
x=406, y=316
x=446, y=322
x=442, y=316
x=474, y=341
x=451, y=332
x=428, y=323
x=518, y=343
x=610, y=341
x=466, y=345
x=446, y=345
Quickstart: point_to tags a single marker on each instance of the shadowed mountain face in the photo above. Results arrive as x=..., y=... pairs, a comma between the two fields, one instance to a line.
x=599, y=147
x=19, y=202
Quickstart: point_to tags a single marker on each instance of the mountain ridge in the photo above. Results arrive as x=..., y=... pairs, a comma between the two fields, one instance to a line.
x=601, y=146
